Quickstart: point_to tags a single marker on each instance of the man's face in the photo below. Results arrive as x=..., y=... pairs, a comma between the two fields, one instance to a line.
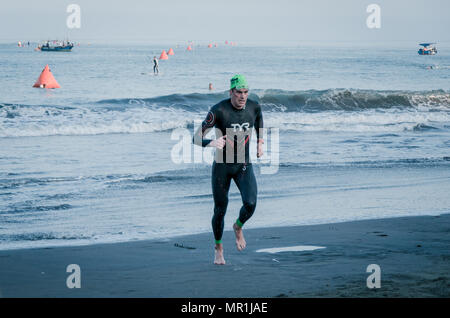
x=239, y=97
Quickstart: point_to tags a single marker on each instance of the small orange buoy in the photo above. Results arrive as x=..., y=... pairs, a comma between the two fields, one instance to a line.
x=210, y=45
x=164, y=55
x=170, y=52
x=46, y=79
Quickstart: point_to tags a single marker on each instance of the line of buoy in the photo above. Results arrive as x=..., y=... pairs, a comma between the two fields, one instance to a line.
x=47, y=80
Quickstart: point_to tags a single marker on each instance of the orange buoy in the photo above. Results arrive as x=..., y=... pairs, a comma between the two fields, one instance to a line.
x=46, y=79
x=189, y=48
x=170, y=52
x=226, y=42
x=210, y=45
x=164, y=55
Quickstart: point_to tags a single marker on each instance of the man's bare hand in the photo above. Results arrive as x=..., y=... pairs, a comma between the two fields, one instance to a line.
x=259, y=149
x=219, y=143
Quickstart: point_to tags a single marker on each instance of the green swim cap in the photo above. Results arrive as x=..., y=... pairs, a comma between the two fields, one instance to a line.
x=238, y=82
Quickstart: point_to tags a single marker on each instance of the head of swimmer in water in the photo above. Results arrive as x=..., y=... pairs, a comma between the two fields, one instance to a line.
x=238, y=91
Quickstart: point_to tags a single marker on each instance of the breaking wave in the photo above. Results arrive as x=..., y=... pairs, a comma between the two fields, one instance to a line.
x=302, y=101
x=312, y=110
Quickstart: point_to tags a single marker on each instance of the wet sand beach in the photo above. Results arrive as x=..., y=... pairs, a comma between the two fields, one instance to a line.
x=412, y=253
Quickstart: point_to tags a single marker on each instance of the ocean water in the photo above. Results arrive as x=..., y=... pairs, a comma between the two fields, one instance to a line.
x=354, y=132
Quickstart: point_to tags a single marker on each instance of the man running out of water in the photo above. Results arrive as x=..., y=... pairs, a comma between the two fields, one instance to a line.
x=233, y=120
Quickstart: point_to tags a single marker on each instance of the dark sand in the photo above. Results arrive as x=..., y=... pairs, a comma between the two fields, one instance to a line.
x=413, y=253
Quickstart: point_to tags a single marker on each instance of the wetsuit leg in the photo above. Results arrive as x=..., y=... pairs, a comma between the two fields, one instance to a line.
x=246, y=183
x=220, y=181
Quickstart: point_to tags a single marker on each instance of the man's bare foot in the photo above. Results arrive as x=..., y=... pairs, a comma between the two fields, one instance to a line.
x=218, y=255
x=240, y=241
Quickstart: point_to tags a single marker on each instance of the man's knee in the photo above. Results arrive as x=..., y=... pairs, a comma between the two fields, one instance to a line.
x=250, y=205
x=220, y=203
x=220, y=208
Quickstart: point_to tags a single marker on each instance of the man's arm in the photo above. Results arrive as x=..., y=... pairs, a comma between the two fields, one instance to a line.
x=209, y=122
x=259, y=126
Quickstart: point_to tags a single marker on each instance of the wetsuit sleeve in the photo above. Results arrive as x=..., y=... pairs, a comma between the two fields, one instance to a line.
x=209, y=122
x=259, y=123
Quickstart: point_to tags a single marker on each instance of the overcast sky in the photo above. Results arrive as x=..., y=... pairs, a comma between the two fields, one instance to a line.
x=244, y=21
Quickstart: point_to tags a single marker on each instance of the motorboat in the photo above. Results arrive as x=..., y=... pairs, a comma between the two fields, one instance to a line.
x=56, y=46
x=427, y=49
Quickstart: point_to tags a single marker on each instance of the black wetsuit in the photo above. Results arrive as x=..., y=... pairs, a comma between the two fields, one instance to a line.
x=155, y=66
x=233, y=162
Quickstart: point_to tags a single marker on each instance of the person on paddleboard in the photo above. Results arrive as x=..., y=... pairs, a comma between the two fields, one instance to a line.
x=155, y=65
